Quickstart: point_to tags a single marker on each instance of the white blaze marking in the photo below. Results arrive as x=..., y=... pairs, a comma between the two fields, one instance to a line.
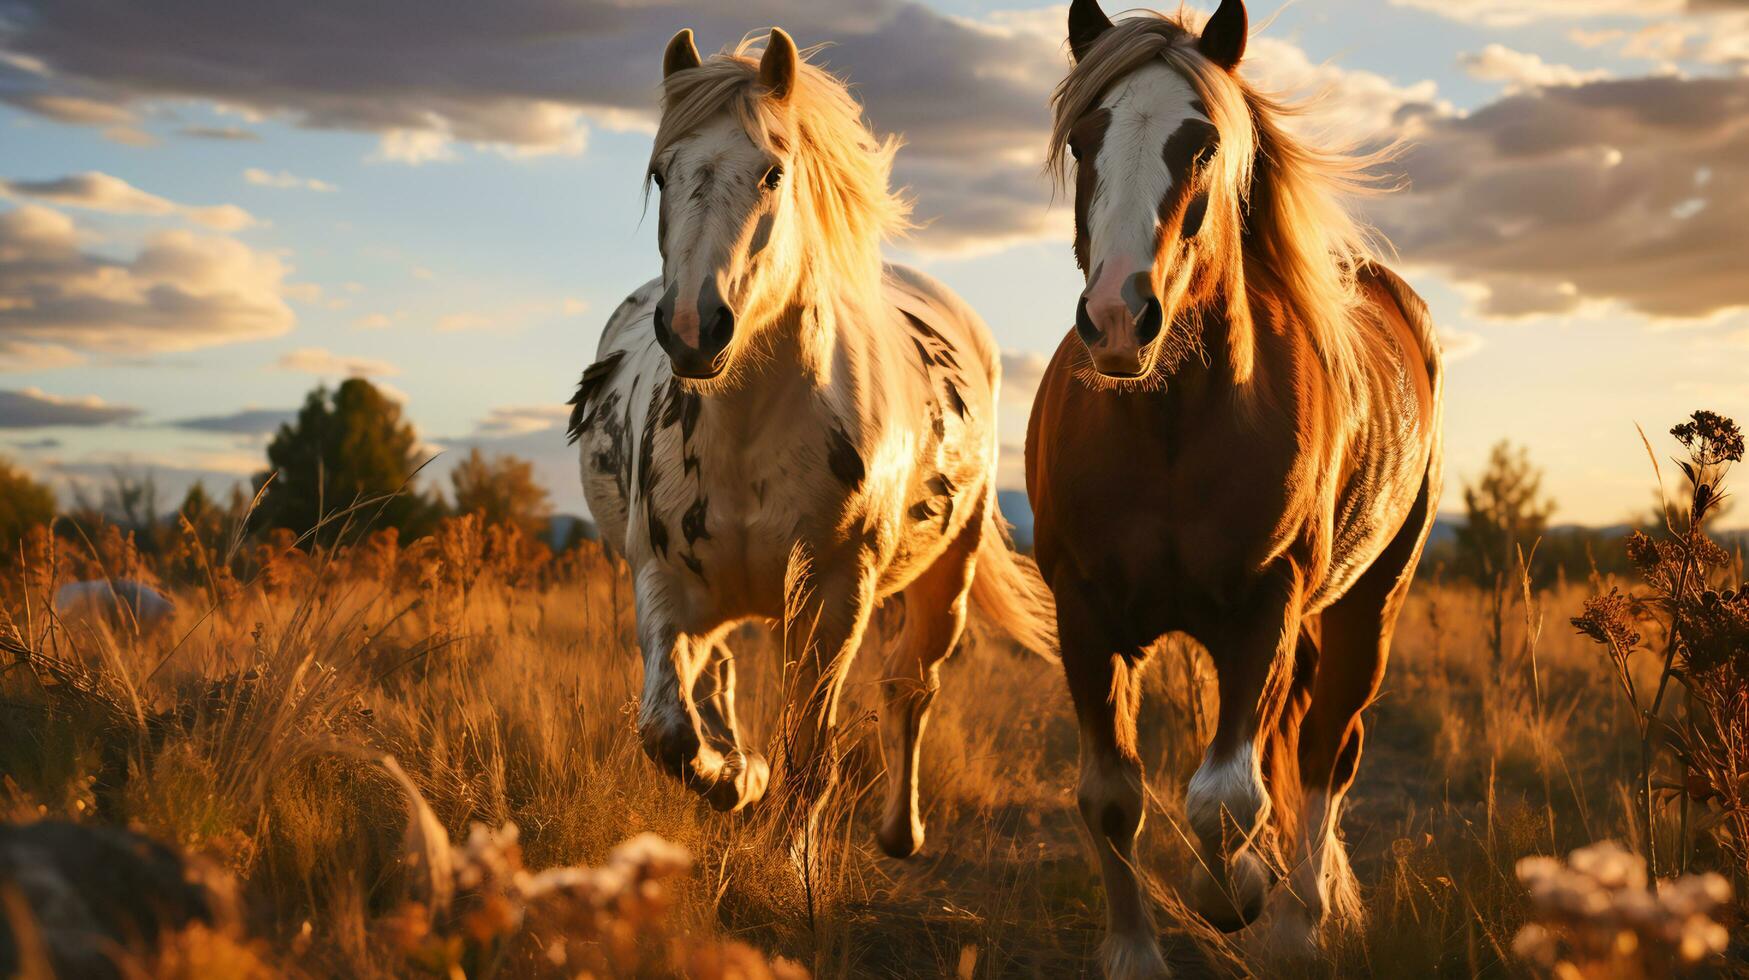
x=1146, y=108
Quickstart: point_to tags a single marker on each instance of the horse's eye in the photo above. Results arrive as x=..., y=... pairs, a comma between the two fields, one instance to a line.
x=773, y=177
x=656, y=178
x=1074, y=151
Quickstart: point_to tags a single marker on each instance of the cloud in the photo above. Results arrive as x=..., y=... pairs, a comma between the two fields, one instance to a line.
x=516, y=420
x=244, y=422
x=94, y=191
x=19, y=355
x=234, y=133
x=1704, y=31
x=32, y=408
x=180, y=291
x=171, y=476
x=1348, y=106
x=1510, y=13
x=414, y=146
x=379, y=321
x=71, y=109
x=286, y=181
x=510, y=317
x=323, y=362
x=531, y=76
x=1632, y=191
x=1455, y=345
x=1522, y=70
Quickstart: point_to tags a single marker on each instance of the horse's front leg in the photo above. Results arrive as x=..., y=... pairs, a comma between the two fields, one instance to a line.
x=742, y=776
x=1228, y=802
x=684, y=663
x=827, y=607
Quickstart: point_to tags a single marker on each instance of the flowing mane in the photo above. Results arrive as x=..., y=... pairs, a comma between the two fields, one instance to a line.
x=840, y=169
x=1301, y=245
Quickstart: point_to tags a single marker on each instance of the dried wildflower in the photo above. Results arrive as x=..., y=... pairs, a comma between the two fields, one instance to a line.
x=1593, y=916
x=610, y=920
x=1643, y=551
x=1708, y=553
x=1710, y=438
x=1716, y=631
x=1606, y=620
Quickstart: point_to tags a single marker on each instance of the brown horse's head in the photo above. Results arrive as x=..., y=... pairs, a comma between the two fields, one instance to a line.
x=1162, y=142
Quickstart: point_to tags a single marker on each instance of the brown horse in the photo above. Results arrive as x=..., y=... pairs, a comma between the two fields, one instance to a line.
x=1239, y=441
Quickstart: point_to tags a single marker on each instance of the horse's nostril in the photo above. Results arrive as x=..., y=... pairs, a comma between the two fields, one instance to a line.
x=1084, y=323
x=721, y=330
x=724, y=328
x=1149, y=323
x=661, y=320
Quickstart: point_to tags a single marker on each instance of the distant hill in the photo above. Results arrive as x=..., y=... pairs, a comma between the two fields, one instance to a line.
x=1017, y=510
x=561, y=526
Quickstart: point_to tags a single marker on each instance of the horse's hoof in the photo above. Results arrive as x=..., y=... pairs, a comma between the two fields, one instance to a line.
x=739, y=782
x=673, y=747
x=1232, y=904
x=900, y=838
x=1133, y=958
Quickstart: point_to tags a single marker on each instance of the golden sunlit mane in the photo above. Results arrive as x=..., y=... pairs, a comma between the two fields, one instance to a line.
x=839, y=169
x=1300, y=245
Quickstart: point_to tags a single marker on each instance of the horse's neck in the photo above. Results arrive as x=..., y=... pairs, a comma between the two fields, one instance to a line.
x=789, y=365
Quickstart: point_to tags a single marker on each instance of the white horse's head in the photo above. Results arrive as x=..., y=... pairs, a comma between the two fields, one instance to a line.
x=770, y=185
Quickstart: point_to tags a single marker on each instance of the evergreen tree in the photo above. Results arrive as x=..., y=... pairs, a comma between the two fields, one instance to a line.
x=346, y=447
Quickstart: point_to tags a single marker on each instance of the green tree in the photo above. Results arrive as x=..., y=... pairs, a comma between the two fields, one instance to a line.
x=24, y=504
x=346, y=447
x=1506, y=515
x=502, y=490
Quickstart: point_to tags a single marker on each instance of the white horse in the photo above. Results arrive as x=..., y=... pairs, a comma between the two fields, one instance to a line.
x=125, y=603
x=783, y=427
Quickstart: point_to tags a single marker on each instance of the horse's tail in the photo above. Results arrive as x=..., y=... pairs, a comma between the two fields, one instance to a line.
x=1008, y=593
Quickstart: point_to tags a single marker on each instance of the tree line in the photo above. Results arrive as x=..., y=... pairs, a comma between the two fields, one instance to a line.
x=348, y=463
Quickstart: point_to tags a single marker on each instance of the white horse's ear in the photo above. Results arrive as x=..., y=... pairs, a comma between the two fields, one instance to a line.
x=1223, y=37
x=681, y=54
x=1086, y=23
x=777, y=70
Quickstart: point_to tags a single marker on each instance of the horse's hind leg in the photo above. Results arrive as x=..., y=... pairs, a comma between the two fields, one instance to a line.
x=1229, y=802
x=1105, y=684
x=1355, y=644
x=742, y=775
x=934, y=610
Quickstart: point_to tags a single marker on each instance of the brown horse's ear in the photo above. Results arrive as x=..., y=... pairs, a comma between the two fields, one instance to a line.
x=1086, y=23
x=681, y=54
x=1223, y=37
x=777, y=70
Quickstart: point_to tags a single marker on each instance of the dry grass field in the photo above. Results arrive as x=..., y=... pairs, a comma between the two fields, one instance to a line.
x=248, y=731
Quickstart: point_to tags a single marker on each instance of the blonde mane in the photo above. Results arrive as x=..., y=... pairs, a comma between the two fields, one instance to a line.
x=839, y=169
x=1295, y=241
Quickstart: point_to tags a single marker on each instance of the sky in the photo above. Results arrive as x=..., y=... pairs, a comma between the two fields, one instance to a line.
x=209, y=207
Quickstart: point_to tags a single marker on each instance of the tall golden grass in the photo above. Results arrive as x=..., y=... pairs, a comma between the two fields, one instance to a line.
x=249, y=730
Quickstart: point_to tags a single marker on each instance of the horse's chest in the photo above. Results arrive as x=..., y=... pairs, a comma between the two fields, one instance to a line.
x=729, y=515
x=1164, y=526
